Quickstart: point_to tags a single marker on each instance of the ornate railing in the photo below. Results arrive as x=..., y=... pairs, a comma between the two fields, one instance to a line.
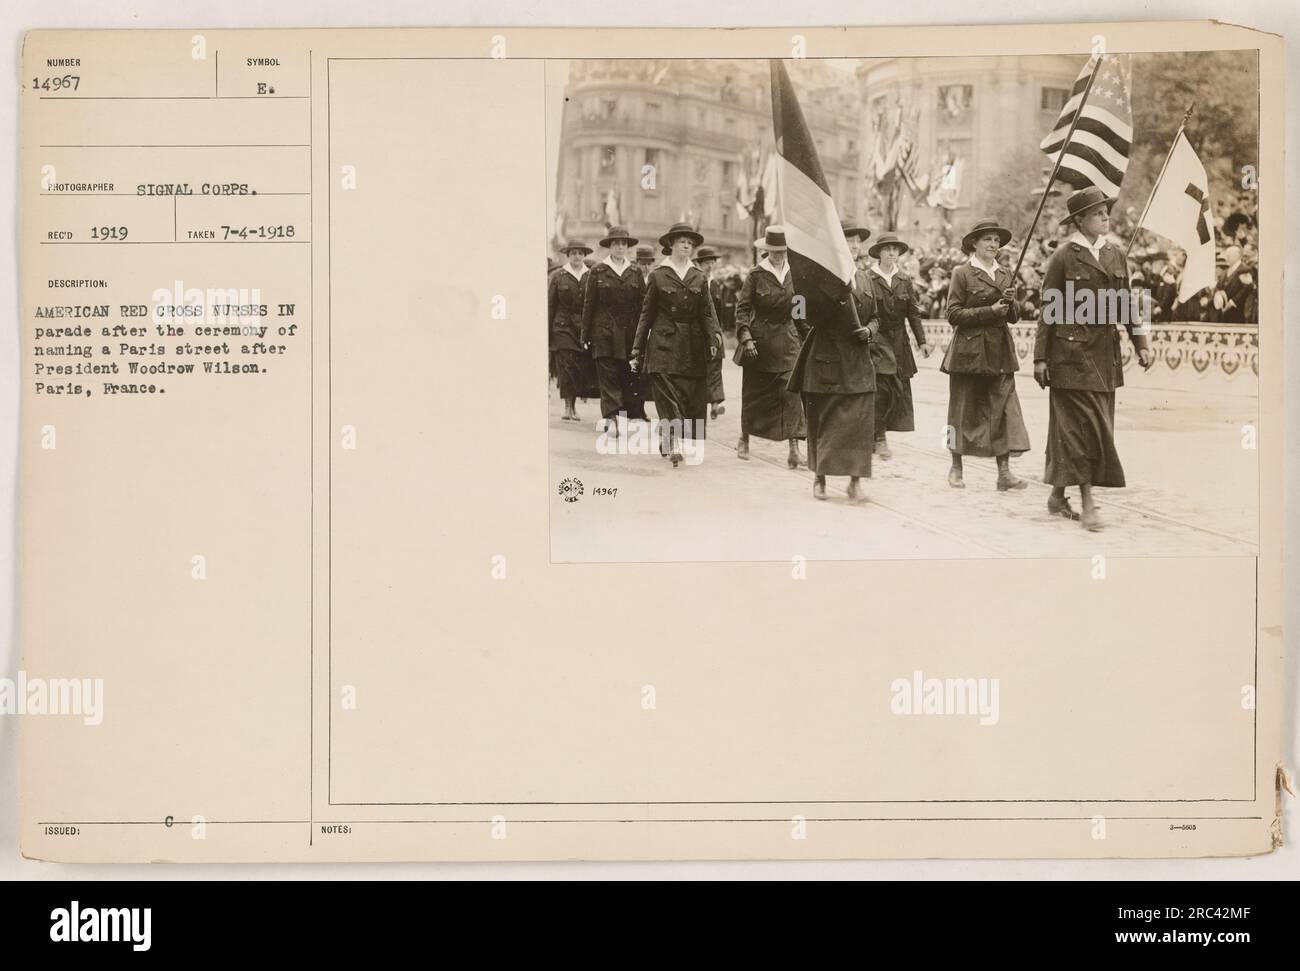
x=1224, y=351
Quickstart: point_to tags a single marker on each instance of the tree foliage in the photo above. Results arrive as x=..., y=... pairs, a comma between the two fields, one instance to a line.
x=1224, y=130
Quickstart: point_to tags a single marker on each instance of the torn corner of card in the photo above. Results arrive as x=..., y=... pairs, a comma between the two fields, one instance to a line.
x=348, y=533
x=1283, y=784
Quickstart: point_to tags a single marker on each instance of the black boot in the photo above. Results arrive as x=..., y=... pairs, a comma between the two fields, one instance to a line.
x=954, y=474
x=1007, y=480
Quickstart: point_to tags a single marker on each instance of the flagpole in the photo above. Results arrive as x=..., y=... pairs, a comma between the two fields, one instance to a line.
x=1159, y=178
x=1060, y=157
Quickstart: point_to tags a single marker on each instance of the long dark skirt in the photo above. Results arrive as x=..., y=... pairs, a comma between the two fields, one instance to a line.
x=620, y=389
x=984, y=413
x=839, y=432
x=1081, y=439
x=575, y=372
x=684, y=401
x=716, y=394
x=767, y=409
x=894, y=412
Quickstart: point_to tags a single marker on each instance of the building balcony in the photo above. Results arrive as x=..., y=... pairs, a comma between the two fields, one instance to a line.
x=622, y=129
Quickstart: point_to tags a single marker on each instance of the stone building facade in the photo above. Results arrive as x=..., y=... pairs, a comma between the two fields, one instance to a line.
x=658, y=142
x=696, y=124
x=974, y=110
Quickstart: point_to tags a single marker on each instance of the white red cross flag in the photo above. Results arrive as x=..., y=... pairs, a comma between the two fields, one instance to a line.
x=1180, y=212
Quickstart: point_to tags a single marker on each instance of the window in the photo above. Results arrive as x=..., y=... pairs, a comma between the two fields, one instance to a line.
x=955, y=101
x=1053, y=99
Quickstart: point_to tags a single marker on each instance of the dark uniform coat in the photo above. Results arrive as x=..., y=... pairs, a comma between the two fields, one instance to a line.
x=837, y=382
x=1081, y=346
x=897, y=309
x=981, y=340
x=832, y=360
x=724, y=304
x=1239, y=288
x=610, y=310
x=677, y=324
x=983, y=407
x=1082, y=356
x=716, y=392
x=865, y=300
x=564, y=310
x=763, y=314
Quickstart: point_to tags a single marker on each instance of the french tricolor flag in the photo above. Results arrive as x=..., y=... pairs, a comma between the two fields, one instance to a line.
x=821, y=266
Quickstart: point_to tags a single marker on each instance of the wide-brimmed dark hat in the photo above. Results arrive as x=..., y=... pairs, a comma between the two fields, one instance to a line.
x=774, y=239
x=680, y=229
x=888, y=239
x=645, y=254
x=861, y=232
x=574, y=244
x=706, y=253
x=988, y=225
x=1082, y=200
x=616, y=233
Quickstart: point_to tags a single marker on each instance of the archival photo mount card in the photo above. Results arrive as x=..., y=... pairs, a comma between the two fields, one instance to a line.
x=905, y=481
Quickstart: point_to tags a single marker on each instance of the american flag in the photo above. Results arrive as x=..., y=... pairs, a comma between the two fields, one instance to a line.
x=1099, y=149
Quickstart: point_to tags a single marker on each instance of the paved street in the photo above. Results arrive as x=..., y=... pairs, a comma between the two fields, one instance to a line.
x=1192, y=490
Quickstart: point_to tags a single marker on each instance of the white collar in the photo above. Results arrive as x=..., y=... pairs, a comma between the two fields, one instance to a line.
x=766, y=264
x=1093, y=248
x=576, y=276
x=881, y=273
x=609, y=262
x=681, y=274
x=992, y=271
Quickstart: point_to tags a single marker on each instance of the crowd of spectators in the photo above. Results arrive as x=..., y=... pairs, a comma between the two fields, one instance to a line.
x=1154, y=267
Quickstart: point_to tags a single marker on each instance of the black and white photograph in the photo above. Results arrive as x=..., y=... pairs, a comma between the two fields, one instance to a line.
x=913, y=307
x=905, y=497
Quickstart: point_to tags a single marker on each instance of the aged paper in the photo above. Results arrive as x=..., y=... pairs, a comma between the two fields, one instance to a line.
x=315, y=568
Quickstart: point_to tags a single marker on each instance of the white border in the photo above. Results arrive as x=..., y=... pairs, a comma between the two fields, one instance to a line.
x=30, y=14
